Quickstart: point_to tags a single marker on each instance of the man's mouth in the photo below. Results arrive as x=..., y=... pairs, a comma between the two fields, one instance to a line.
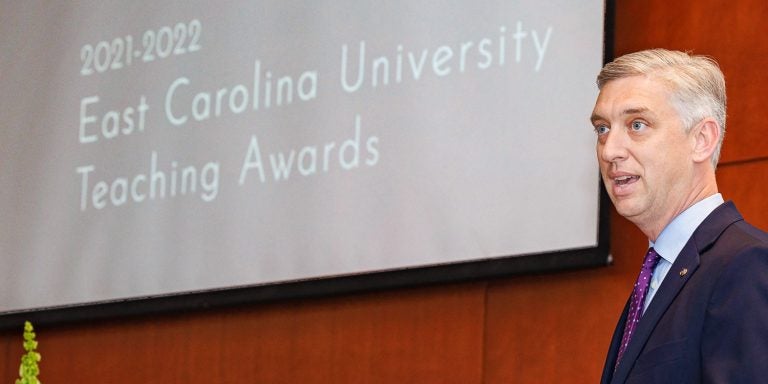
x=624, y=180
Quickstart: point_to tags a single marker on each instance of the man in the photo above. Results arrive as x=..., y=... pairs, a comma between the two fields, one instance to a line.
x=699, y=310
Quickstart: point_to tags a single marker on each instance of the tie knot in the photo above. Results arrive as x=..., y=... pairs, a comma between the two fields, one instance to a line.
x=651, y=259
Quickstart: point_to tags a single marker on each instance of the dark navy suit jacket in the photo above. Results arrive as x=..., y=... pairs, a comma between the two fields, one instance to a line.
x=708, y=322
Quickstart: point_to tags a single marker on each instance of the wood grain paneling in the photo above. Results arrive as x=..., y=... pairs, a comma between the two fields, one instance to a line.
x=556, y=328
x=733, y=32
x=427, y=335
x=10, y=355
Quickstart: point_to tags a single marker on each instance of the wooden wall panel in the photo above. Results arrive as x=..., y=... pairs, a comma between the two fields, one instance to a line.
x=555, y=328
x=733, y=32
x=421, y=335
x=10, y=356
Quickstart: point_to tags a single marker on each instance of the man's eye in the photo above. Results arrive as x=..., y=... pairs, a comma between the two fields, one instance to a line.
x=638, y=125
x=601, y=129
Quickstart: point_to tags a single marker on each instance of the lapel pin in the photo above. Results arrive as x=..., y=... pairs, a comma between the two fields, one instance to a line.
x=683, y=272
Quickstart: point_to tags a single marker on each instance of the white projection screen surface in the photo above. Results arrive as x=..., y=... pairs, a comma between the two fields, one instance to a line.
x=160, y=148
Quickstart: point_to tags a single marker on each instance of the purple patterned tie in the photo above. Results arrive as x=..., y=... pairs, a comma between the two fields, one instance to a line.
x=638, y=299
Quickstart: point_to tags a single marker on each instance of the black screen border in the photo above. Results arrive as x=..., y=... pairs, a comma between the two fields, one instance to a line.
x=489, y=269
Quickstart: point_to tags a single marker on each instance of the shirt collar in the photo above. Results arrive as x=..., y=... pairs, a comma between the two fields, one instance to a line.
x=676, y=234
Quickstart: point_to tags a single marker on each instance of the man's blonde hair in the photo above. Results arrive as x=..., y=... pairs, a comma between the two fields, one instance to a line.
x=696, y=83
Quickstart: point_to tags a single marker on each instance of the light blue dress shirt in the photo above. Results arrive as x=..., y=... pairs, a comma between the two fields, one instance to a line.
x=674, y=237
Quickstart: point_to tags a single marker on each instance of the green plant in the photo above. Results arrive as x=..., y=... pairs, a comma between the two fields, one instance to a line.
x=29, y=370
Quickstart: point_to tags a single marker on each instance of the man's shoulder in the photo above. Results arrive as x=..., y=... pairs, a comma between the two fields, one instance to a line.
x=726, y=234
x=758, y=233
x=726, y=221
x=741, y=247
x=737, y=262
x=749, y=234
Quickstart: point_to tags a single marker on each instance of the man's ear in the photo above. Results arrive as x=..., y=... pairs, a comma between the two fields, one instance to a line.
x=705, y=136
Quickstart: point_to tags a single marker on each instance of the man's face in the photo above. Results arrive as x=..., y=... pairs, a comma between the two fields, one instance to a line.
x=643, y=151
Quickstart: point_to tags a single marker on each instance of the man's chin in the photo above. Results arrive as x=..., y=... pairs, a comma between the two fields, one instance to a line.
x=626, y=208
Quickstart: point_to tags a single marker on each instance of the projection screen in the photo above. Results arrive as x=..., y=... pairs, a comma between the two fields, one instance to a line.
x=158, y=148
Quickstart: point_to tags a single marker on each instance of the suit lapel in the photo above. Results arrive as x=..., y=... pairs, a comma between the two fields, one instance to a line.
x=689, y=258
x=613, y=349
x=670, y=287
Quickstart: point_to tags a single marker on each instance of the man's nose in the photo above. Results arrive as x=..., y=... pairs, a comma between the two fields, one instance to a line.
x=614, y=147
